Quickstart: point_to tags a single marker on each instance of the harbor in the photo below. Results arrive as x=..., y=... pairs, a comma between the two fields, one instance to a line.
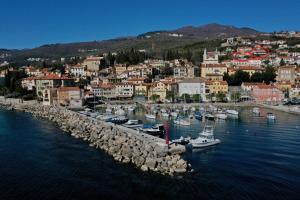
x=263, y=154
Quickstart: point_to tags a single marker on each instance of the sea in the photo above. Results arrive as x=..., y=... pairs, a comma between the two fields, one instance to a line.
x=256, y=159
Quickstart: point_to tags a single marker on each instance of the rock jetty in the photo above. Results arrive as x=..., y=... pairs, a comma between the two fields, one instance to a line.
x=125, y=145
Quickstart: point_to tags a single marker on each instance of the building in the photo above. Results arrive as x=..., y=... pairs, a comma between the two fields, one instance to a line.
x=28, y=83
x=209, y=69
x=161, y=89
x=216, y=86
x=193, y=86
x=92, y=63
x=70, y=96
x=210, y=57
x=248, y=86
x=78, y=70
x=249, y=69
x=124, y=90
x=107, y=91
x=52, y=81
x=286, y=73
x=266, y=93
x=294, y=92
x=141, y=89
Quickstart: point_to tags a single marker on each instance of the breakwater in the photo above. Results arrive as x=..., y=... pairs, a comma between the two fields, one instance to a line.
x=127, y=146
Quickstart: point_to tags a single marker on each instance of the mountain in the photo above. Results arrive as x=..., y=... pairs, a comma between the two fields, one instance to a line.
x=156, y=41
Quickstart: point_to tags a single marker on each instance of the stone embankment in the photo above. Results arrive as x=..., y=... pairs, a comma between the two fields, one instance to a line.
x=127, y=146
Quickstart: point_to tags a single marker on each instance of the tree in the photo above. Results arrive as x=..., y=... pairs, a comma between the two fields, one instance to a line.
x=240, y=77
x=185, y=97
x=257, y=77
x=154, y=97
x=282, y=63
x=197, y=98
x=220, y=96
x=170, y=96
x=269, y=75
x=235, y=96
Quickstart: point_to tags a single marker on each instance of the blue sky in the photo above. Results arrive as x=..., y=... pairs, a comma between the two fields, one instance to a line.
x=31, y=23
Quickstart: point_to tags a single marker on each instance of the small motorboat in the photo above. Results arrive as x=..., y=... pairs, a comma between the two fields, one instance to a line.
x=133, y=123
x=221, y=116
x=156, y=130
x=271, y=116
x=120, y=112
x=108, y=110
x=198, y=115
x=181, y=140
x=183, y=122
x=232, y=112
x=256, y=110
x=105, y=118
x=209, y=116
x=119, y=120
x=174, y=114
x=150, y=116
x=165, y=114
x=131, y=108
x=205, y=139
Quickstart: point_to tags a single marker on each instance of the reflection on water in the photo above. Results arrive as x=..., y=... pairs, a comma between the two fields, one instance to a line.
x=256, y=160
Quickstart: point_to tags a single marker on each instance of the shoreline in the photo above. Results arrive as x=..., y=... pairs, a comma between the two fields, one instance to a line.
x=145, y=152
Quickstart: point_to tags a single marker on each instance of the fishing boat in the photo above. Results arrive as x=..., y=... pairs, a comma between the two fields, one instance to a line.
x=133, y=123
x=271, y=116
x=221, y=116
x=256, y=110
x=232, y=112
x=205, y=139
x=183, y=122
x=156, y=130
x=106, y=118
x=150, y=116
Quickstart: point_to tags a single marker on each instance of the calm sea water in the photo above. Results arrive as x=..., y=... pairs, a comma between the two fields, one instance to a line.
x=256, y=160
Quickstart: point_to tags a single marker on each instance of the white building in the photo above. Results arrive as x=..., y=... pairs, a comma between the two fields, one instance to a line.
x=78, y=71
x=210, y=57
x=193, y=86
x=124, y=90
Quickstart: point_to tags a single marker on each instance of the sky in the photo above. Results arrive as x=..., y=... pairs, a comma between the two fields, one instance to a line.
x=31, y=23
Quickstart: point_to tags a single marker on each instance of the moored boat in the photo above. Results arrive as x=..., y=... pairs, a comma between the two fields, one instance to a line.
x=256, y=110
x=183, y=122
x=221, y=116
x=271, y=116
x=150, y=116
x=232, y=112
x=205, y=139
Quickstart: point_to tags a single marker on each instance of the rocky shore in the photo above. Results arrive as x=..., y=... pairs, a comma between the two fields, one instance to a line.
x=127, y=146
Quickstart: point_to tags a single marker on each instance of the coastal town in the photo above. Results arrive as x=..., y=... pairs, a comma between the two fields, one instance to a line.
x=241, y=69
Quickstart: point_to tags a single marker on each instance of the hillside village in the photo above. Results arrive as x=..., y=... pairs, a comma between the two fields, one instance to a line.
x=240, y=69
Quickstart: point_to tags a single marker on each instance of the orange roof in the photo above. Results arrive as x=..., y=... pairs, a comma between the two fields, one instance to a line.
x=209, y=82
x=68, y=88
x=213, y=65
x=264, y=86
x=53, y=77
x=253, y=84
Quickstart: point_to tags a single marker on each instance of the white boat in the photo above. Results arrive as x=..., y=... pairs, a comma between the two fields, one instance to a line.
x=232, y=112
x=157, y=129
x=182, y=122
x=174, y=114
x=163, y=110
x=193, y=109
x=150, y=116
x=106, y=117
x=205, y=139
x=256, y=110
x=165, y=114
x=271, y=116
x=108, y=110
x=209, y=116
x=133, y=123
x=120, y=112
x=221, y=116
x=182, y=140
x=131, y=108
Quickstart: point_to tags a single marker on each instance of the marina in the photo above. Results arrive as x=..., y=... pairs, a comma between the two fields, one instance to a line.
x=266, y=153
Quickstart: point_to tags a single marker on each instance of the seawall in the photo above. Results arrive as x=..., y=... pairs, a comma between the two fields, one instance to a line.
x=144, y=151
